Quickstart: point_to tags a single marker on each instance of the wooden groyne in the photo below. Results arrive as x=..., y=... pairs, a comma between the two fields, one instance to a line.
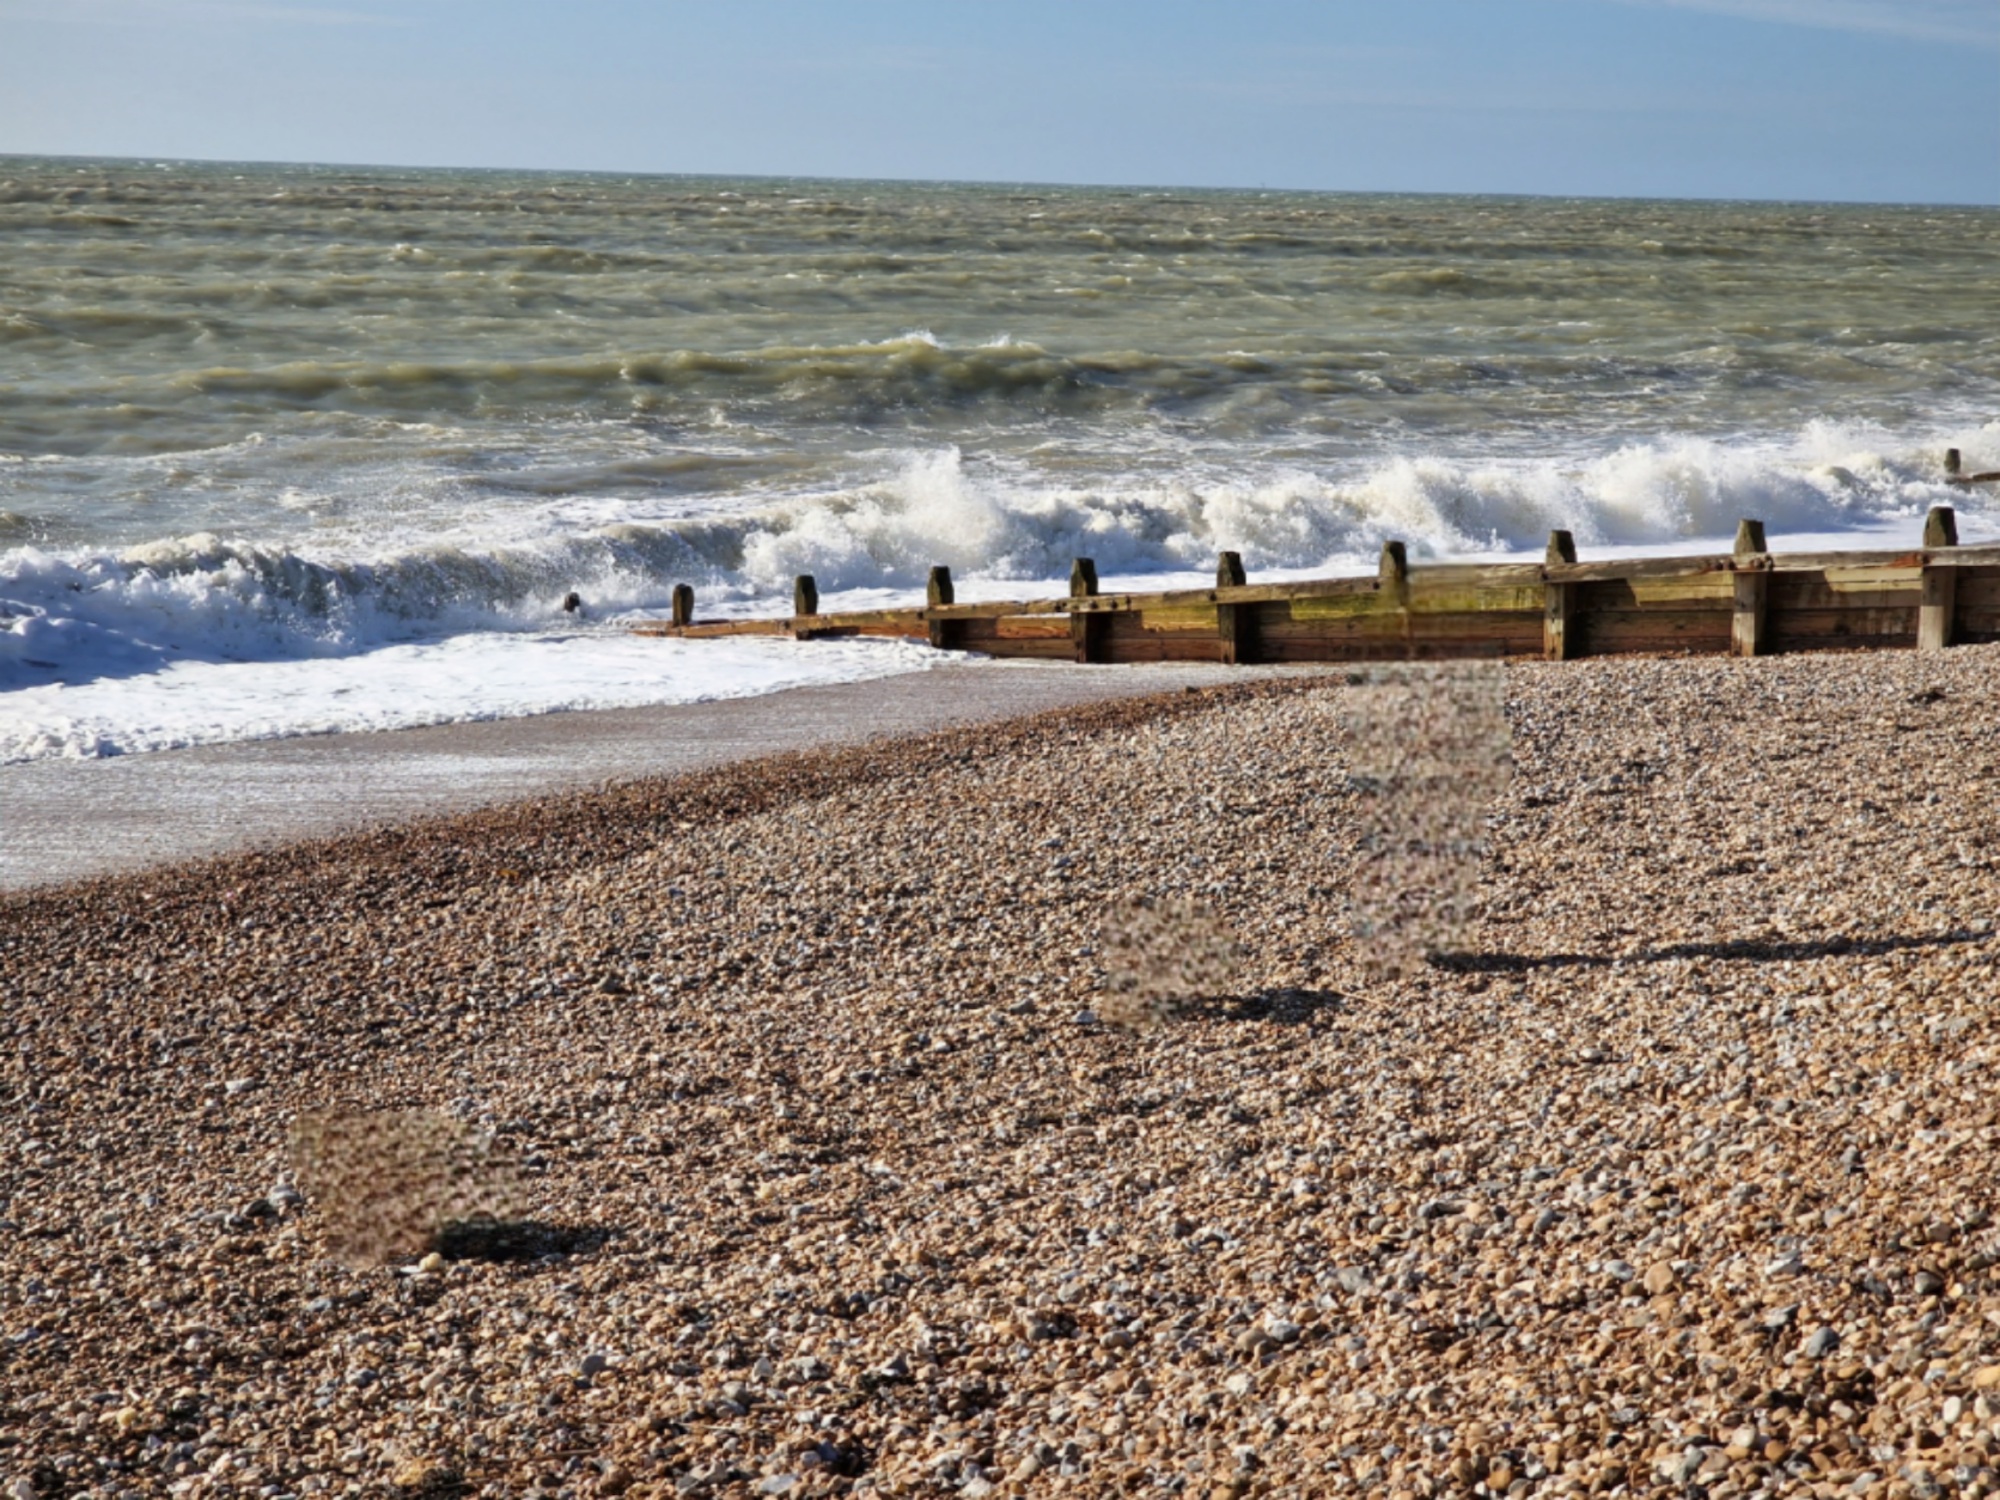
x=1752, y=602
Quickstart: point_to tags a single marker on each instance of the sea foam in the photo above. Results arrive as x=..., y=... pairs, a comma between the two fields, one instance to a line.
x=299, y=641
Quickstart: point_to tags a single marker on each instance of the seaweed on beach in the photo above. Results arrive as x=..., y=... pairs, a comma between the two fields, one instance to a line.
x=389, y=1183
x=1163, y=954
x=1430, y=750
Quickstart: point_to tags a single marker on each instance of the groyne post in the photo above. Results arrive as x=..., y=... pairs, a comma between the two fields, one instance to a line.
x=1392, y=577
x=1394, y=573
x=945, y=635
x=1089, y=633
x=683, y=611
x=1747, y=633
x=1559, y=600
x=1938, y=600
x=805, y=604
x=1235, y=625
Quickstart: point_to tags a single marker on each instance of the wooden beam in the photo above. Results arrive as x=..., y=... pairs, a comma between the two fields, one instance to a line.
x=1748, y=633
x=1229, y=572
x=1559, y=601
x=716, y=629
x=1938, y=602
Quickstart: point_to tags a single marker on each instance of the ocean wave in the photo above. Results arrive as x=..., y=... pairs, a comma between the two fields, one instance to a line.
x=72, y=616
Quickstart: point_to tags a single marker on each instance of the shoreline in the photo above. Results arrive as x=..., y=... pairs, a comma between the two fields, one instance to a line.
x=71, y=820
x=1680, y=1174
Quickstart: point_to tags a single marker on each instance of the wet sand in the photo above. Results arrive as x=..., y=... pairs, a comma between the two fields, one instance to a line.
x=68, y=820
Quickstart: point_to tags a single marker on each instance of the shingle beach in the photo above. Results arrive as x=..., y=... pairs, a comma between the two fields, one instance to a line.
x=1681, y=1179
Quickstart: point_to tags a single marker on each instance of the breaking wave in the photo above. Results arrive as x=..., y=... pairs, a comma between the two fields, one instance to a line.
x=74, y=615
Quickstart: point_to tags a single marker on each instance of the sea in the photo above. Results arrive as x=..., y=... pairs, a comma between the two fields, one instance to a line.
x=297, y=449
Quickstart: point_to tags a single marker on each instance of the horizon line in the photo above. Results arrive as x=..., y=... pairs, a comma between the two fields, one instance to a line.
x=1000, y=182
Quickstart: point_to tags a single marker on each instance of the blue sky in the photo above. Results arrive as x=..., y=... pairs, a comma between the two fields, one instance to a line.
x=1888, y=100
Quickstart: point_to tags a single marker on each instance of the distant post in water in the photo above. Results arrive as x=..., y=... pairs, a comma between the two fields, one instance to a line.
x=683, y=613
x=1747, y=635
x=945, y=635
x=1559, y=600
x=1952, y=463
x=1938, y=601
x=1235, y=624
x=1089, y=633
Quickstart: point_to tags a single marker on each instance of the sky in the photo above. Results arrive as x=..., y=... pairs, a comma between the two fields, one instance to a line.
x=1872, y=100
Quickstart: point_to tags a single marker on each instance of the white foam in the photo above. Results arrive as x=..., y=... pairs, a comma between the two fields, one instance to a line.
x=193, y=639
x=466, y=677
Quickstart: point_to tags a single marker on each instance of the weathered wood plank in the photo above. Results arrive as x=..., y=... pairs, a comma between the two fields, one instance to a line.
x=1868, y=580
x=1127, y=639
x=1978, y=590
x=715, y=629
x=1520, y=629
x=1429, y=596
x=1718, y=589
x=1841, y=628
x=1625, y=569
x=1675, y=596
x=1029, y=627
x=1180, y=618
x=1813, y=591
x=1606, y=632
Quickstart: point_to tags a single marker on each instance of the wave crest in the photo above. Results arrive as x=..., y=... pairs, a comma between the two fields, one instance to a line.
x=205, y=596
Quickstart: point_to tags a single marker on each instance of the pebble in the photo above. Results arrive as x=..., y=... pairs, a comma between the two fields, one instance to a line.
x=798, y=1228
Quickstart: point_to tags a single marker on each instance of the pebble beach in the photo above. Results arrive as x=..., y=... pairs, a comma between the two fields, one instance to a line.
x=1679, y=1178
